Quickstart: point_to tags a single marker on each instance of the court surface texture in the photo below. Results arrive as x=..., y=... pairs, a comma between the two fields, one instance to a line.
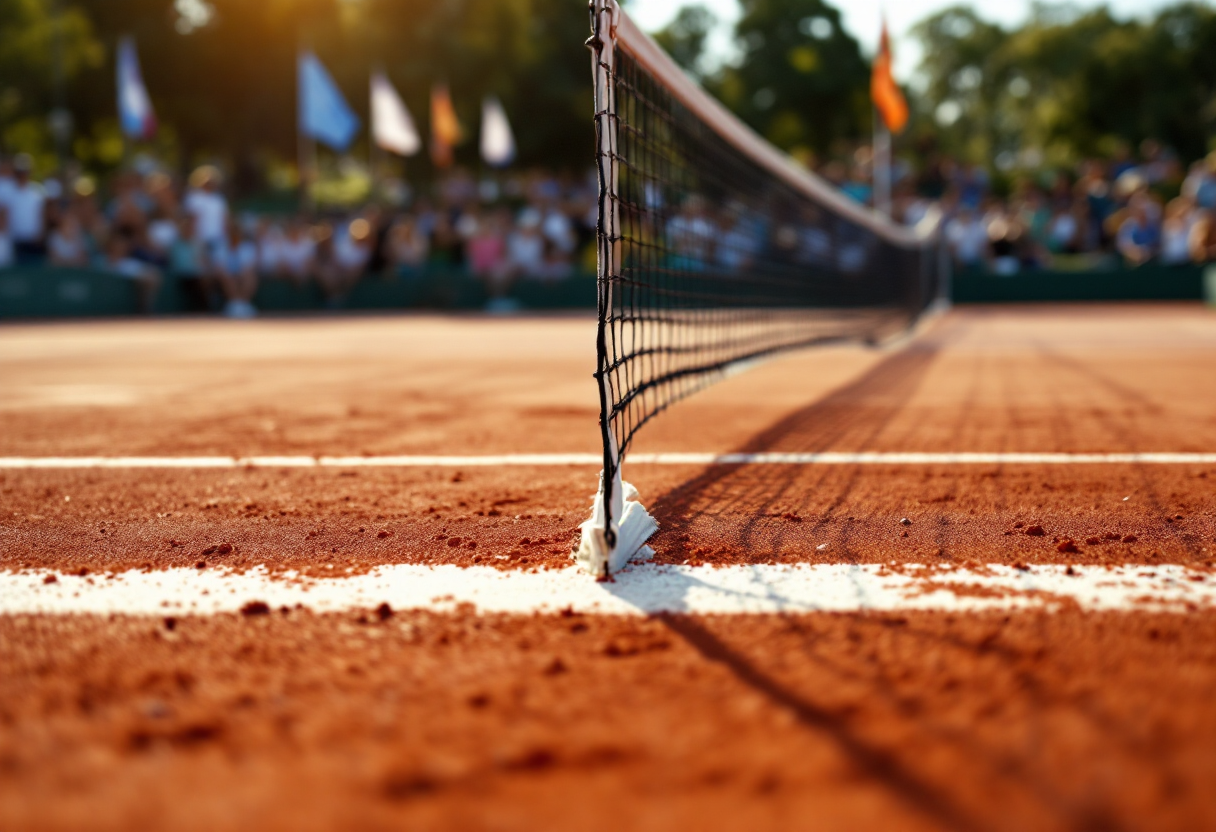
x=315, y=573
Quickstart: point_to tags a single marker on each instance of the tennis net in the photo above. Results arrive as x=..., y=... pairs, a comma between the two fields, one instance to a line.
x=714, y=249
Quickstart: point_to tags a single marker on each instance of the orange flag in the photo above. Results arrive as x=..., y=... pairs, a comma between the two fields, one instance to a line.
x=888, y=99
x=445, y=129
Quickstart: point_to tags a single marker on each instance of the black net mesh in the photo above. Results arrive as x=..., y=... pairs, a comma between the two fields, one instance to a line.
x=708, y=258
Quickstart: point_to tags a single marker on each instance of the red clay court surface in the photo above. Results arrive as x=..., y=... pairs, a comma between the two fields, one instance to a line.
x=1049, y=715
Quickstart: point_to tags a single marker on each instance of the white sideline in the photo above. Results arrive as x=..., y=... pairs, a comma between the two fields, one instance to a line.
x=505, y=460
x=641, y=589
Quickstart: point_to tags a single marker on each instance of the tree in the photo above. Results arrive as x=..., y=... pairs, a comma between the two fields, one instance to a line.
x=684, y=39
x=1068, y=85
x=222, y=78
x=39, y=48
x=801, y=80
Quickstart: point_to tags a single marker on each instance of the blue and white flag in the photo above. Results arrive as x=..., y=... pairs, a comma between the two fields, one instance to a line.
x=497, y=140
x=134, y=107
x=324, y=113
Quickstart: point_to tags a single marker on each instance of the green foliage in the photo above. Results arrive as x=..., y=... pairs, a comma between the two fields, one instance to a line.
x=801, y=80
x=685, y=37
x=30, y=36
x=223, y=81
x=1069, y=85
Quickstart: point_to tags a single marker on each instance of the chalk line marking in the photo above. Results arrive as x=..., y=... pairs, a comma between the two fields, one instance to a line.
x=506, y=460
x=639, y=590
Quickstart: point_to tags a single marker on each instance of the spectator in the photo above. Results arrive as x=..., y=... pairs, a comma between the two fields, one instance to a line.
x=297, y=253
x=325, y=267
x=1138, y=236
x=67, y=245
x=1203, y=237
x=7, y=256
x=119, y=261
x=967, y=236
x=187, y=256
x=526, y=246
x=187, y=261
x=207, y=205
x=348, y=256
x=269, y=239
x=1005, y=244
x=408, y=246
x=691, y=234
x=742, y=240
x=558, y=229
x=161, y=234
x=1200, y=182
x=7, y=181
x=128, y=210
x=1176, y=231
x=26, y=212
x=353, y=249
x=233, y=266
x=486, y=248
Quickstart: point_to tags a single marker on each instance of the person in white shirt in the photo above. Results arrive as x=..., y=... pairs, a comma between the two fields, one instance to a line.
x=1180, y=219
x=26, y=211
x=207, y=205
x=269, y=238
x=233, y=265
x=297, y=253
x=526, y=246
x=967, y=235
x=162, y=233
x=66, y=245
x=351, y=252
x=145, y=277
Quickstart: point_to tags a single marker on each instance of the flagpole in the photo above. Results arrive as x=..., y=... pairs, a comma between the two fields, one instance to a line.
x=882, y=165
x=371, y=143
x=302, y=171
x=371, y=167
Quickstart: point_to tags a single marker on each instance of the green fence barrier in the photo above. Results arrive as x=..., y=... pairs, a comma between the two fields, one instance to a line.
x=1149, y=282
x=43, y=292
x=1209, y=284
x=61, y=293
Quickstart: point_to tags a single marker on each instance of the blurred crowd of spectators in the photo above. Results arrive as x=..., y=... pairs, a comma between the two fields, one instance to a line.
x=152, y=228
x=1134, y=208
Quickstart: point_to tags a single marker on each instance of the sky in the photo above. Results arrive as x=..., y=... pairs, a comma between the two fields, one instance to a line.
x=862, y=19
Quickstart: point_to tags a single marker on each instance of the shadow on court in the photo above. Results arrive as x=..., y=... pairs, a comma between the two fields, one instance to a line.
x=876, y=683
x=746, y=507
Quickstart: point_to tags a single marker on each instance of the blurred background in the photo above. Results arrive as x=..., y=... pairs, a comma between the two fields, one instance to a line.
x=229, y=157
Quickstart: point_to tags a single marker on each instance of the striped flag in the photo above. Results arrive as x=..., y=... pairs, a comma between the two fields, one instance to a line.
x=888, y=98
x=445, y=129
x=134, y=107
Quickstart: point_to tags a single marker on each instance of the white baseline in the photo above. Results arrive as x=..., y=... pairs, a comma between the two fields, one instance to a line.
x=574, y=459
x=639, y=590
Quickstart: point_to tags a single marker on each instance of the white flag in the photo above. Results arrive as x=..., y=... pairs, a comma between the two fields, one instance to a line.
x=497, y=142
x=392, y=127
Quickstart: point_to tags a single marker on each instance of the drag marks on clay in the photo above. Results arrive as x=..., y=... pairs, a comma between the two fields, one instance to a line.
x=640, y=590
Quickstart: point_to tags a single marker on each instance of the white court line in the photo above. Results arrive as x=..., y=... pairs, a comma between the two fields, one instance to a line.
x=641, y=589
x=506, y=460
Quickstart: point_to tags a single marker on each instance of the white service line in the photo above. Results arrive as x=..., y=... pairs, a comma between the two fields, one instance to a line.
x=507, y=460
x=641, y=589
